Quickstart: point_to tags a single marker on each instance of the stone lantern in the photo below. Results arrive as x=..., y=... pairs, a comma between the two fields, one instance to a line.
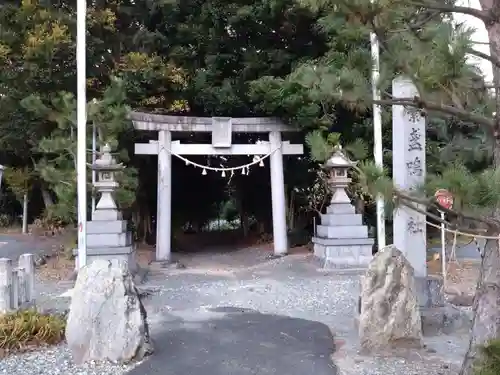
x=337, y=166
x=107, y=234
x=106, y=185
x=341, y=240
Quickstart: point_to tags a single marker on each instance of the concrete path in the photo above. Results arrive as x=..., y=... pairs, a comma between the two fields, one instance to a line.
x=235, y=324
x=236, y=341
x=12, y=246
x=282, y=317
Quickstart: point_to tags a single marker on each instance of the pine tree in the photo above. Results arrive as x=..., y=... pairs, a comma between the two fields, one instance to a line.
x=37, y=89
x=419, y=40
x=57, y=166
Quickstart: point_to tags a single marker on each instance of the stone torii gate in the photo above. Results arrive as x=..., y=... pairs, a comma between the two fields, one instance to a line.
x=221, y=129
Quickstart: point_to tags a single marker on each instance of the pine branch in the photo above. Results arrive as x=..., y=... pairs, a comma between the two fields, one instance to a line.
x=483, y=15
x=433, y=203
x=480, y=85
x=420, y=103
x=415, y=208
x=484, y=56
x=414, y=27
x=377, y=182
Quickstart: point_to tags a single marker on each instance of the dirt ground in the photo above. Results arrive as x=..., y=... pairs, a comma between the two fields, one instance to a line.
x=461, y=276
x=223, y=258
x=61, y=267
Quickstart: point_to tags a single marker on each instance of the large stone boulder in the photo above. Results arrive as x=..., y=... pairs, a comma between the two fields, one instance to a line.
x=107, y=320
x=390, y=315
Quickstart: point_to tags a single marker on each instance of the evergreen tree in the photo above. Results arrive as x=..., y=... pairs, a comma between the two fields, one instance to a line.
x=175, y=57
x=37, y=89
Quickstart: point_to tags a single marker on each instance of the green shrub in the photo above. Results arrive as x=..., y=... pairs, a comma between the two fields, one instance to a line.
x=489, y=359
x=68, y=246
x=26, y=329
x=5, y=221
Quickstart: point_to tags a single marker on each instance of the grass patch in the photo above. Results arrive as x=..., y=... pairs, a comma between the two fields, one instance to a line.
x=27, y=329
x=489, y=359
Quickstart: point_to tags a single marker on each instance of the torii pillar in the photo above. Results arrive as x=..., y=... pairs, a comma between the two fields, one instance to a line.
x=221, y=129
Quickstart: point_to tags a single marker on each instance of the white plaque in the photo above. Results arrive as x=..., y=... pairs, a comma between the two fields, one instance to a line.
x=408, y=162
x=221, y=132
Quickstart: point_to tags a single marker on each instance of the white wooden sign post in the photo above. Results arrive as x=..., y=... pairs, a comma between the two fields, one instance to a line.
x=445, y=199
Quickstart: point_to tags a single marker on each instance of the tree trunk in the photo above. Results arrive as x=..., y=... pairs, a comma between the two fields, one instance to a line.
x=47, y=198
x=290, y=212
x=486, y=321
x=25, y=213
x=245, y=224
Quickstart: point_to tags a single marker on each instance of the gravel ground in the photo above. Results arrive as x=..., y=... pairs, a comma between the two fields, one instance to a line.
x=297, y=312
x=55, y=361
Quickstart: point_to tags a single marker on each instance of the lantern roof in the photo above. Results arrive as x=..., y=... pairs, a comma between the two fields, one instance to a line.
x=106, y=162
x=339, y=160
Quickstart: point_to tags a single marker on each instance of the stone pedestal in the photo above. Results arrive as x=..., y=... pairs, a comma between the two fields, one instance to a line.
x=107, y=234
x=110, y=240
x=342, y=240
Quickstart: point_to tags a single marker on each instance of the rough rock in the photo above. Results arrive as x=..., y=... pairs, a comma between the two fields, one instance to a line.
x=41, y=259
x=390, y=315
x=107, y=320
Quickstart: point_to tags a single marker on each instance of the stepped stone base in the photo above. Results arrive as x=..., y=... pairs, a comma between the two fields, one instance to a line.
x=343, y=253
x=103, y=227
x=109, y=239
x=126, y=253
